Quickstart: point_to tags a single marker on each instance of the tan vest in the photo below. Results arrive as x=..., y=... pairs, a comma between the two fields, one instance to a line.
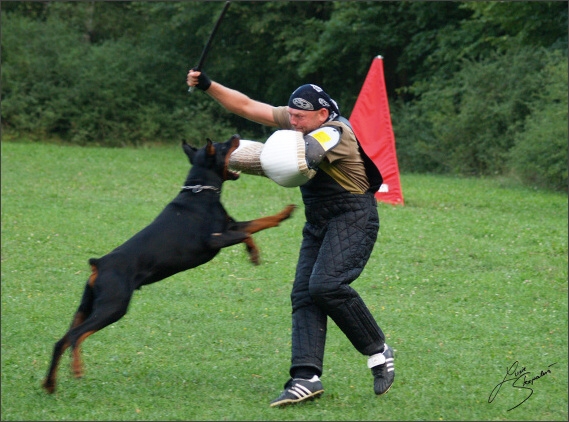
x=344, y=162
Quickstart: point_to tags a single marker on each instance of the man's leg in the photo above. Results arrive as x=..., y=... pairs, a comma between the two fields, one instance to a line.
x=309, y=322
x=344, y=252
x=308, y=330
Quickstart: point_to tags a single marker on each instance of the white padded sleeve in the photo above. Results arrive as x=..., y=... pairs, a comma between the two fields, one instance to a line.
x=283, y=159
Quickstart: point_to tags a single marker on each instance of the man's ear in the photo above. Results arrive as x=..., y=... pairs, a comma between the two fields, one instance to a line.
x=323, y=114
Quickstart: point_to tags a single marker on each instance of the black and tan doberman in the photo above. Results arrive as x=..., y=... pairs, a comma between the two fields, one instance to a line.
x=189, y=232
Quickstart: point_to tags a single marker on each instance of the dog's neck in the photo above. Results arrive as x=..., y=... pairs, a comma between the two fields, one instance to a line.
x=196, y=183
x=200, y=188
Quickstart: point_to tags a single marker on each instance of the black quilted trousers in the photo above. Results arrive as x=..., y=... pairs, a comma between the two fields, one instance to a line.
x=338, y=239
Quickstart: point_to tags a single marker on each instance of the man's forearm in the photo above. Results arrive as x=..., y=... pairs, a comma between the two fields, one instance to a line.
x=238, y=103
x=232, y=100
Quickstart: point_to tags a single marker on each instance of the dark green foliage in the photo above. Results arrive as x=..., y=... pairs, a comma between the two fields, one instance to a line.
x=488, y=117
x=539, y=156
x=415, y=141
x=40, y=61
x=113, y=92
x=497, y=82
x=465, y=79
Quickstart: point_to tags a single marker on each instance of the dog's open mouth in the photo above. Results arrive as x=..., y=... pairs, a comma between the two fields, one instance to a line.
x=232, y=175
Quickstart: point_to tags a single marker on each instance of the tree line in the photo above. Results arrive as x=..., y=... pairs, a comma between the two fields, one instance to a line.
x=475, y=88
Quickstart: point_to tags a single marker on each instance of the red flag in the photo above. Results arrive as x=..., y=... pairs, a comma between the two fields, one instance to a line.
x=371, y=122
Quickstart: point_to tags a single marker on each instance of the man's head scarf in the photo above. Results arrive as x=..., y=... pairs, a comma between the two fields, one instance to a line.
x=311, y=97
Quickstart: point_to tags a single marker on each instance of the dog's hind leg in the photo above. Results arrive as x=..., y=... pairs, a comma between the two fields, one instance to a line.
x=96, y=322
x=62, y=344
x=60, y=347
x=103, y=303
x=112, y=297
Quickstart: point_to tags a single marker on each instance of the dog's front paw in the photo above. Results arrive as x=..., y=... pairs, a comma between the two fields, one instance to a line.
x=287, y=212
x=253, y=251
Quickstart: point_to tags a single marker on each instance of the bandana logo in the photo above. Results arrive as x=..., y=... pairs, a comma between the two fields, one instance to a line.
x=323, y=102
x=302, y=104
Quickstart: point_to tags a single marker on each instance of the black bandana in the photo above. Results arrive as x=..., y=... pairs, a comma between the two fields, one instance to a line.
x=312, y=97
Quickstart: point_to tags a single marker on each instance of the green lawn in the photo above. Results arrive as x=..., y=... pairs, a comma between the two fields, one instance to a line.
x=467, y=278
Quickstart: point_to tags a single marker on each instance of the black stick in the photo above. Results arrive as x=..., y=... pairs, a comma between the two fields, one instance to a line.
x=208, y=44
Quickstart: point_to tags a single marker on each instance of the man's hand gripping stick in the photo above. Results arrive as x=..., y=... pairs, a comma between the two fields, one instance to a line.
x=208, y=44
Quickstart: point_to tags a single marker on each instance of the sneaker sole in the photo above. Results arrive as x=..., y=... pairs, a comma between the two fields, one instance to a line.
x=287, y=402
x=385, y=392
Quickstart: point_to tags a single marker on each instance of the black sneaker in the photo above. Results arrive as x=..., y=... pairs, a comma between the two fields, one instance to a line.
x=297, y=390
x=383, y=370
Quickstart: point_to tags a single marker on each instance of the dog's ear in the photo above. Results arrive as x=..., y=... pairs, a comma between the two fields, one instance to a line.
x=210, y=149
x=190, y=151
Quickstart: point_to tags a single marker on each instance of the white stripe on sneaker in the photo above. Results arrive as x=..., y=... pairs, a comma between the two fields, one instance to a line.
x=292, y=391
x=299, y=391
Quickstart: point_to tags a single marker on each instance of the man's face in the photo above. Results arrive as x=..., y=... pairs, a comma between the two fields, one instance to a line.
x=306, y=121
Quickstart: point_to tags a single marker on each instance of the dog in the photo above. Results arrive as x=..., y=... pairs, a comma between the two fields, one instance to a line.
x=189, y=232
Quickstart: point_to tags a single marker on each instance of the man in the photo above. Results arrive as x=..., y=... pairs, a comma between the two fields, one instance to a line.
x=338, y=237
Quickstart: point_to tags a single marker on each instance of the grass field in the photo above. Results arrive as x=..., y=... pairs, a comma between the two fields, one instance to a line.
x=469, y=277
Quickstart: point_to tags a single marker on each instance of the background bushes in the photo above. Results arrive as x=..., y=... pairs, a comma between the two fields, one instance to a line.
x=486, y=121
x=539, y=154
x=476, y=88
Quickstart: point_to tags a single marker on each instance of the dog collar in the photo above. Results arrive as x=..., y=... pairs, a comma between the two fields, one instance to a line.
x=199, y=188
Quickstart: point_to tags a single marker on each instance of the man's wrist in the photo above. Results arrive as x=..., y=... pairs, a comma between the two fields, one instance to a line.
x=204, y=82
